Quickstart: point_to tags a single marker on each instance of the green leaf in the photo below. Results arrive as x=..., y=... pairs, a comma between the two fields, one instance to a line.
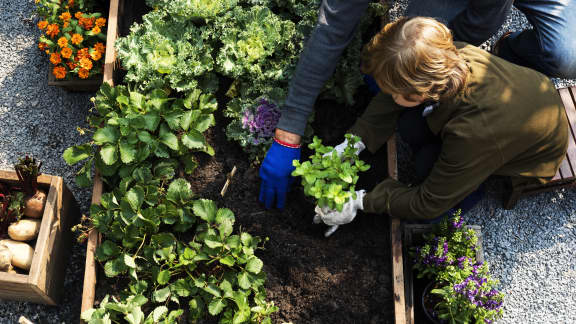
x=179, y=191
x=151, y=121
x=107, y=134
x=205, y=209
x=109, y=154
x=163, y=277
x=204, y=122
x=181, y=288
x=135, y=198
x=194, y=140
x=212, y=290
x=137, y=99
x=254, y=265
x=75, y=154
x=173, y=120
x=216, y=306
x=129, y=261
x=212, y=242
x=170, y=140
x=159, y=313
x=115, y=267
x=188, y=118
x=225, y=228
x=228, y=260
x=244, y=280
x=161, y=295
x=127, y=152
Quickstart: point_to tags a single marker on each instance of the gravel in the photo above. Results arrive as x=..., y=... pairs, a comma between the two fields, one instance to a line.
x=529, y=248
x=40, y=121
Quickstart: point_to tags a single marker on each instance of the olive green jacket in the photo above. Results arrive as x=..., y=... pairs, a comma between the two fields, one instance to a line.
x=509, y=121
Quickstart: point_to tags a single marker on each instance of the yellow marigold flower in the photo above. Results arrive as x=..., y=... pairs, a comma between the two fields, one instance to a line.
x=95, y=55
x=96, y=30
x=100, y=47
x=66, y=52
x=65, y=16
x=42, y=24
x=101, y=22
x=52, y=30
x=62, y=42
x=47, y=52
x=77, y=39
x=59, y=72
x=78, y=15
x=86, y=63
x=83, y=73
x=55, y=58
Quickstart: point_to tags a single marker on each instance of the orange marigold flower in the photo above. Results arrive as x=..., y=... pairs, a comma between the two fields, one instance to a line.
x=42, y=24
x=47, y=52
x=55, y=58
x=59, y=72
x=71, y=65
x=52, y=30
x=100, y=47
x=86, y=63
x=65, y=16
x=78, y=15
x=77, y=39
x=82, y=53
x=101, y=22
x=87, y=23
x=71, y=3
x=66, y=24
x=83, y=73
x=95, y=55
x=66, y=52
x=62, y=42
x=42, y=46
x=96, y=30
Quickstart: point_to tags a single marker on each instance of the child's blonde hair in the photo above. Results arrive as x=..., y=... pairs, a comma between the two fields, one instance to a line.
x=415, y=56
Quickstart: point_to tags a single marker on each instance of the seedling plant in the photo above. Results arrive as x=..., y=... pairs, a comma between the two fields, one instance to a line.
x=328, y=177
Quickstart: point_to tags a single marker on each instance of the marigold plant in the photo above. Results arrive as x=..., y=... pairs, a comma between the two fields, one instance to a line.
x=72, y=37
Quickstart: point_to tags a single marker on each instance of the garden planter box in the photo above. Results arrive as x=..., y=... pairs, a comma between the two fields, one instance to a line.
x=43, y=284
x=413, y=287
x=75, y=84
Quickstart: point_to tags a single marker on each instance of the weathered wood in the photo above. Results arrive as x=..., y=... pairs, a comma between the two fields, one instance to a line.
x=396, y=243
x=43, y=283
x=75, y=84
x=90, y=272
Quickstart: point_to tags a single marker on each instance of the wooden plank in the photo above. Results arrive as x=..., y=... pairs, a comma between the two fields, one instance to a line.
x=90, y=272
x=10, y=176
x=571, y=115
x=396, y=244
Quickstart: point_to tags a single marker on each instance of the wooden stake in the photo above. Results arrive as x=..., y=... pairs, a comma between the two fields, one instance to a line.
x=228, y=180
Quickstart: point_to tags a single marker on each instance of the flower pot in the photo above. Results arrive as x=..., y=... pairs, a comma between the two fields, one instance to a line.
x=75, y=84
x=429, y=313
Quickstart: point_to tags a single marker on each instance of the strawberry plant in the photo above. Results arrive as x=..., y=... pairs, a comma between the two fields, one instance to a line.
x=130, y=127
x=215, y=272
x=328, y=177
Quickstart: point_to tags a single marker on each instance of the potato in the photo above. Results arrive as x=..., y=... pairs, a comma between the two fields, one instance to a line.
x=5, y=258
x=24, y=229
x=22, y=253
x=34, y=206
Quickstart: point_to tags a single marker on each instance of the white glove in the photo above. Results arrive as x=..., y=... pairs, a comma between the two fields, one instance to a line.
x=335, y=218
x=359, y=146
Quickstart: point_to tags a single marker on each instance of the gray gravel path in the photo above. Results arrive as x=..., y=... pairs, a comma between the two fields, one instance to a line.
x=41, y=121
x=530, y=248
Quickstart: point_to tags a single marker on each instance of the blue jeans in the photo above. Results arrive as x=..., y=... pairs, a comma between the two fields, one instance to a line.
x=550, y=47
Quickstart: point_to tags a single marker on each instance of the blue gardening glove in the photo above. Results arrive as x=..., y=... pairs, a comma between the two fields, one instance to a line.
x=275, y=173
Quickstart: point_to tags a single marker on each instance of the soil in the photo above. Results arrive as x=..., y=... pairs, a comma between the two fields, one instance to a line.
x=345, y=278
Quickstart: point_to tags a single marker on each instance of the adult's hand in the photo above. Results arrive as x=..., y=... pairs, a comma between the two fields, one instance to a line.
x=339, y=149
x=335, y=218
x=277, y=167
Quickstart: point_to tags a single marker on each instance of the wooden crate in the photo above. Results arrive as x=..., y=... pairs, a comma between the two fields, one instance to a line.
x=90, y=270
x=75, y=84
x=44, y=282
x=412, y=235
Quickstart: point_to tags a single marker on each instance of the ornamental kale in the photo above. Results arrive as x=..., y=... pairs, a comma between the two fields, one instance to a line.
x=193, y=9
x=330, y=178
x=166, y=52
x=449, y=258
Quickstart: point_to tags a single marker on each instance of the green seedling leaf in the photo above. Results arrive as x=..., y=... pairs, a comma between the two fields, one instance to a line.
x=161, y=295
x=75, y=154
x=135, y=198
x=179, y=191
x=163, y=277
x=127, y=152
x=216, y=306
x=129, y=261
x=254, y=265
x=205, y=209
x=194, y=140
x=109, y=154
x=107, y=134
x=244, y=280
x=228, y=260
x=159, y=313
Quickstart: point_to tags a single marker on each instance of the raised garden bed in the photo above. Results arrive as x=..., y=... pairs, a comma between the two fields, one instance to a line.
x=75, y=84
x=43, y=284
x=311, y=279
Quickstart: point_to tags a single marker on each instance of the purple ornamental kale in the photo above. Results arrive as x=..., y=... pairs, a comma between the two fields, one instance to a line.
x=262, y=121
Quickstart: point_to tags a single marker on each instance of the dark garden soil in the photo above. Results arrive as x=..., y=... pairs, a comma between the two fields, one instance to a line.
x=312, y=279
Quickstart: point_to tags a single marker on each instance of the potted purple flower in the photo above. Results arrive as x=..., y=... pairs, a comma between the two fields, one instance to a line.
x=461, y=289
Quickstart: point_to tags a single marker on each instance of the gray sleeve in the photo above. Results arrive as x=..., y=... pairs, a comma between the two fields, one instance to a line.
x=337, y=22
x=480, y=20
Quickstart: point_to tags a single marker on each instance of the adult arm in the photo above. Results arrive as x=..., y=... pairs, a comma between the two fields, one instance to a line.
x=460, y=169
x=337, y=22
x=480, y=20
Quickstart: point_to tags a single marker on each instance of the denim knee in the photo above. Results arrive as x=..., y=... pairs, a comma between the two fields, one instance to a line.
x=560, y=59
